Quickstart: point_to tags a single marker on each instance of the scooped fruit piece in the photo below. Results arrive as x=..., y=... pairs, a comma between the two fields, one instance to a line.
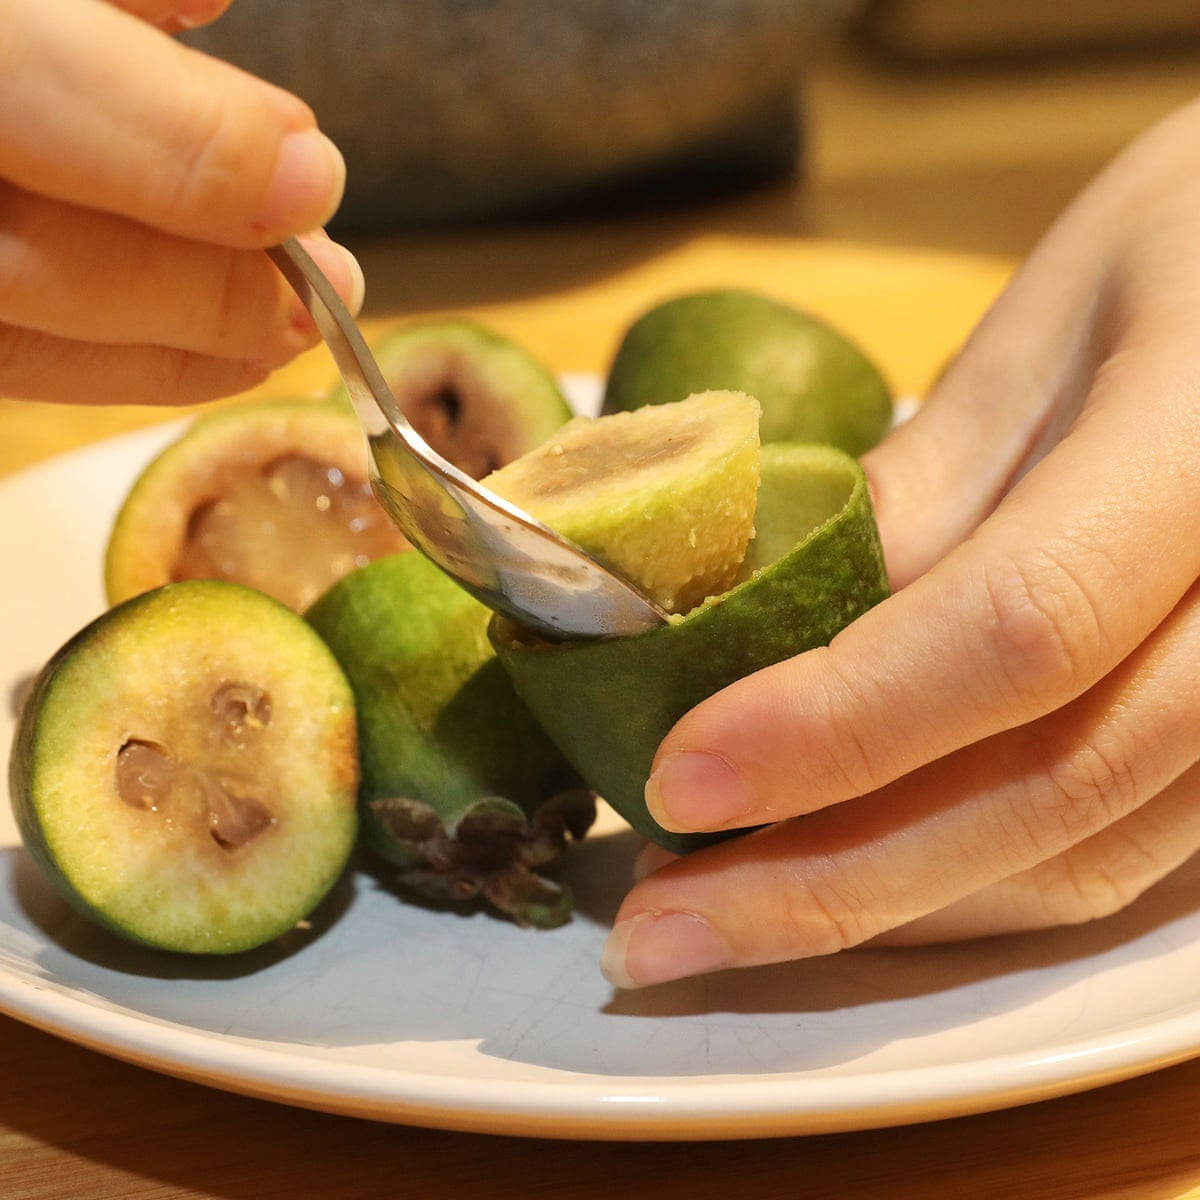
x=814, y=384
x=664, y=495
x=461, y=789
x=185, y=769
x=477, y=398
x=274, y=496
x=815, y=565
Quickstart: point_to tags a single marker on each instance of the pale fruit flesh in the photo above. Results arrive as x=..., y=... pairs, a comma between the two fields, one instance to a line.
x=273, y=496
x=186, y=769
x=665, y=495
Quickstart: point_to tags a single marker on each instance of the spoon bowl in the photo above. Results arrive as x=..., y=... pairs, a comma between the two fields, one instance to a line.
x=500, y=554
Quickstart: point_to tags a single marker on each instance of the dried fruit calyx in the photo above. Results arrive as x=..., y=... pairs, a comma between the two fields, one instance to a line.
x=491, y=852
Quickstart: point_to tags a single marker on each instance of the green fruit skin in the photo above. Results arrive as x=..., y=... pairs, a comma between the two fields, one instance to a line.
x=814, y=385
x=438, y=719
x=29, y=743
x=608, y=704
x=21, y=770
x=534, y=400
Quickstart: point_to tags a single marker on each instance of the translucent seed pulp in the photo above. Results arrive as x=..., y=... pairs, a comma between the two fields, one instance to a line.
x=291, y=530
x=150, y=778
x=144, y=774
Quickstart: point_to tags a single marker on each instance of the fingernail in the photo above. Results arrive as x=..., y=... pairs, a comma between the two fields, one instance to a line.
x=658, y=947
x=341, y=268
x=691, y=790
x=306, y=187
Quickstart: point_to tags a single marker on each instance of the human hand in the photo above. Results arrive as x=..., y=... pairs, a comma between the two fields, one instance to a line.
x=139, y=181
x=1012, y=740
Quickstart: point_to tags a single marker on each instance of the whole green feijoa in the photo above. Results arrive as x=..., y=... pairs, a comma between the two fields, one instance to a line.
x=478, y=398
x=185, y=771
x=814, y=384
x=814, y=565
x=462, y=792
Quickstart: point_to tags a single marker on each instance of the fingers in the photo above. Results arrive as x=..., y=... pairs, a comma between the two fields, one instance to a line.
x=59, y=265
x=157, y=132
x=1021, y=380
x=1098, y=877
x=142, y=180
x=40, y=366
x=994, y=809
x=935, y=478
x=1064, y=580
x=174, y=15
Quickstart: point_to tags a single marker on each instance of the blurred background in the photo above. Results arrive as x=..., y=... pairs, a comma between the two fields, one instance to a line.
x=970, y=126
x=926, y=122
x=505, y=151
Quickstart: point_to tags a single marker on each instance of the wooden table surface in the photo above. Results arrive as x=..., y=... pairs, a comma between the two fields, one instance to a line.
x=919, y=193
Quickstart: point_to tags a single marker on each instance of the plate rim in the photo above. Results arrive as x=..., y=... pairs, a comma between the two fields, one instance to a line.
x=603, y=1107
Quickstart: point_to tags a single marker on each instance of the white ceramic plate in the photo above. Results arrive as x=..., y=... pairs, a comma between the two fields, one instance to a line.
x=398, y=1013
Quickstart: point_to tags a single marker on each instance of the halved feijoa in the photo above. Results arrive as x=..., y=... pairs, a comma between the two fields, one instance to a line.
x=185, y=769
x=461, y=791
x=813, y=382
x=664, y=495
x=479, y=399
x=274, y=496
x=814, y=566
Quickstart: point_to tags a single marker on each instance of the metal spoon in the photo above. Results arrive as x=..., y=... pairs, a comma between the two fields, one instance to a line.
x=500, y=554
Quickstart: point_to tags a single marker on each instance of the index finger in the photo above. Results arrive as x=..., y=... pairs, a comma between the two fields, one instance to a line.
x=100, y=110
x=1083, y=559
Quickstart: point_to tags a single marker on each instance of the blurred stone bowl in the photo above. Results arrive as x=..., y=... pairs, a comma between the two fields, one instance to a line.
x=452, y=109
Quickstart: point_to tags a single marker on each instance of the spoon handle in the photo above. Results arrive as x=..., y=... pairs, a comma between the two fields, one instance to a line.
x=372, y=398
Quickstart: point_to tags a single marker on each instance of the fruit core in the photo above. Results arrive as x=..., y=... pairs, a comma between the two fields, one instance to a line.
x=291, y=529
x=456, y=411
x=240, y=707
x=200, y=794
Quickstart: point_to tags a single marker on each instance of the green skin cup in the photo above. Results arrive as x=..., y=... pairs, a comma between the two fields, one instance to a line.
x=815, y=565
